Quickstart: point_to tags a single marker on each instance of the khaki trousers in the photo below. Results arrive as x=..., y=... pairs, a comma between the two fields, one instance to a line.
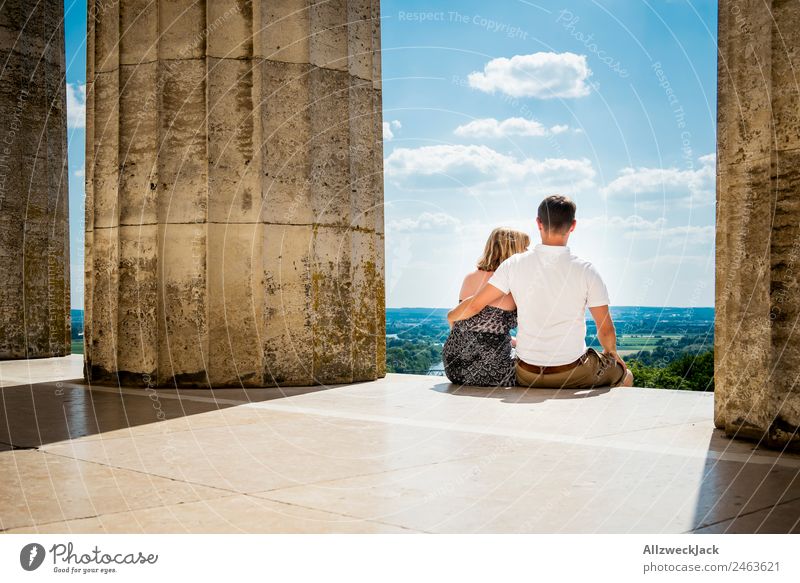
x=595, y=370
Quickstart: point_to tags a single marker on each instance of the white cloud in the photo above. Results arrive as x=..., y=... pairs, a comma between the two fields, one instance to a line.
x=426, y=221
x=76, y=105
x=694, y=233
x=485, y=170
x=79, y=173
x=640, y=229
x=478, y=231
x=674, y=260
x=616, y=222
x=694, y=185
x=688, y=235
x=388, y=126
x=541, y=75
x=513, y=126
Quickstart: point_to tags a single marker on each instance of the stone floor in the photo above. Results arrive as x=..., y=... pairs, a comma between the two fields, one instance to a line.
x=403, y=454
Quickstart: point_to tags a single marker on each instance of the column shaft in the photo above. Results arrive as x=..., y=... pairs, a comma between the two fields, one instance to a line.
x=757, y=353
x=237, y=228
x=34, y=223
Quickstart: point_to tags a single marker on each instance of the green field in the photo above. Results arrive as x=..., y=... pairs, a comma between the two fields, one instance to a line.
x=634, y=343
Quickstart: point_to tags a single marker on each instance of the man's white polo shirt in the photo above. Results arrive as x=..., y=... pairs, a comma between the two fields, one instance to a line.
x=552, y=289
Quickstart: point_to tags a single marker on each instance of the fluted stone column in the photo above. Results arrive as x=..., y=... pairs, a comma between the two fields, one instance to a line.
x=34, y=229
x=234, y=219
x=757, y=347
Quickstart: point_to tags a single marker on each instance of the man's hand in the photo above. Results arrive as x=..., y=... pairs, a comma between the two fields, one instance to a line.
x=450, y=321
x=474, y=304
x=606, y=333
x=615, y=355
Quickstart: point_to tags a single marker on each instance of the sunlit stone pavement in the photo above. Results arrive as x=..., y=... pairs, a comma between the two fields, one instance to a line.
x=402, y=454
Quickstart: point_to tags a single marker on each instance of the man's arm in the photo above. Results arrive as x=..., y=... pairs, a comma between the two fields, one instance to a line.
x=474, y=304
x=606, y=333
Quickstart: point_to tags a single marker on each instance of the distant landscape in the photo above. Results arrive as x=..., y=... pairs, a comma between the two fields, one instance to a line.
x=77, y=331
x=670, y=348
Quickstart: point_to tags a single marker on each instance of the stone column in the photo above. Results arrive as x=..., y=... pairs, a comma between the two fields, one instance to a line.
x=234, y=192
x=757, y=346
x=34, y=227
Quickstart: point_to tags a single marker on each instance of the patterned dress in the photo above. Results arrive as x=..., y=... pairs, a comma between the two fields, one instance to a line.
x=478, y=351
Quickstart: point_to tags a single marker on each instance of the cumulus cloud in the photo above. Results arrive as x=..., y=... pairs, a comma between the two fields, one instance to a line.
x=635, y=222
x=464, y=230
x=426, y=221
x=513, y=126
x=76, y=105
x=479, y=230
x=541, y=75
x=693, y=185
x=388, y=126
x=690, y=235
x=640, y=229
x=485, y=170
x=675, y=260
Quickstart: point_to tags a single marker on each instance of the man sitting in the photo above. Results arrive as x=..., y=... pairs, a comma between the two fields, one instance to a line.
x=552, y=289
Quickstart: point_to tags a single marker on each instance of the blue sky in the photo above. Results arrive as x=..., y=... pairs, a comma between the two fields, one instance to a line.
x=75, y=48
x=488, y=107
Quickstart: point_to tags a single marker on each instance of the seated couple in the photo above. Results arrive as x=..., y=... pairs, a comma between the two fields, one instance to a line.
x=544, y=293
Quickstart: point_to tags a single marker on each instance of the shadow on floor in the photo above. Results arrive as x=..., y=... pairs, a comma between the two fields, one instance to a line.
x=36, y=414
x=518, y=394
x=750, y=498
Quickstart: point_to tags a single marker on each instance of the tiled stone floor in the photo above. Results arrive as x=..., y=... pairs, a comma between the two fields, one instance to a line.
x=403, y=454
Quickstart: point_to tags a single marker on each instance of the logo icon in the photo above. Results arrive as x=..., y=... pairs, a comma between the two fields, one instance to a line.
x=31, y=556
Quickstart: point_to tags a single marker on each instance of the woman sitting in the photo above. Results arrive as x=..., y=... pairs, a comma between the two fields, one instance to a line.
x=479, y=349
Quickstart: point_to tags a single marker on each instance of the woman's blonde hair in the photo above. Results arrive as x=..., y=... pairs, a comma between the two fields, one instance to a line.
x=502, y=244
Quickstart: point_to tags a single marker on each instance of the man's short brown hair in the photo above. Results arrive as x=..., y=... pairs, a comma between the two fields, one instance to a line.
x=557, y=213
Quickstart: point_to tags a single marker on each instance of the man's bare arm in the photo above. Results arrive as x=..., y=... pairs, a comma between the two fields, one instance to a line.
x=474, y=304
x=606, y=333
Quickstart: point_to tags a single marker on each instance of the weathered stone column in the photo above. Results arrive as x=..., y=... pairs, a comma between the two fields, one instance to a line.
x=757, y=347
x=234, y=219
x=34, y=229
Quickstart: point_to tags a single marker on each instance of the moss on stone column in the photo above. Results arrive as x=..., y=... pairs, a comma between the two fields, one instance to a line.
x=34, y=224
x=757, y=337
x=234, y=193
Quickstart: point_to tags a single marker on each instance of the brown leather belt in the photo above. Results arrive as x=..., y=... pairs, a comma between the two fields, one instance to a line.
x=549, y=369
